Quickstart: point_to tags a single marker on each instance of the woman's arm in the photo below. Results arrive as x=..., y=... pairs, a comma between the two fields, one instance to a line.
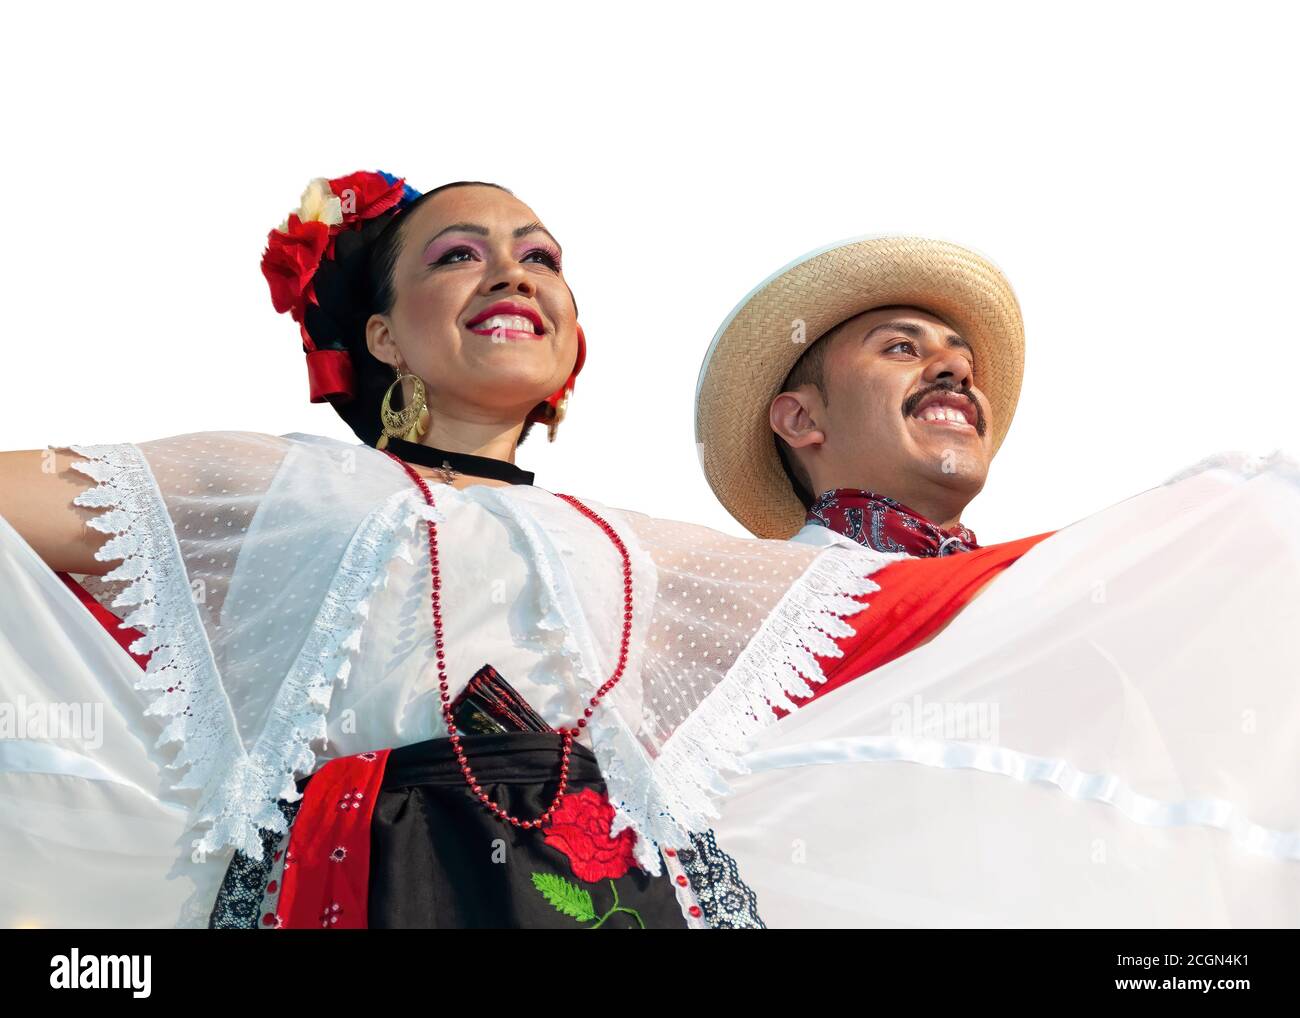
x=37, y=487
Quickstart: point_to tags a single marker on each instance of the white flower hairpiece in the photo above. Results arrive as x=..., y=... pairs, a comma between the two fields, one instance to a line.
x=319, y=204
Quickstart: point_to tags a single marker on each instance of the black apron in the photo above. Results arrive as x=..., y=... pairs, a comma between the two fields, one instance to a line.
x=440, y=860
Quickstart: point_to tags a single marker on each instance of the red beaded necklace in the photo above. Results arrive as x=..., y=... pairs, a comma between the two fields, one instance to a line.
x=444, y=690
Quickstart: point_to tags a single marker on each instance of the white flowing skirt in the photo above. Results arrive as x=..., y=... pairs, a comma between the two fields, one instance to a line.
x=1109, y=735
x=91, y=832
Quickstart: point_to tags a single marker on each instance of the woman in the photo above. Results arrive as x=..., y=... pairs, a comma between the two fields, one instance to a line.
x=319, y=616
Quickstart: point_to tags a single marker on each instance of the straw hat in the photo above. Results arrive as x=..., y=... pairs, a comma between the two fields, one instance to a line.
x=759, y=343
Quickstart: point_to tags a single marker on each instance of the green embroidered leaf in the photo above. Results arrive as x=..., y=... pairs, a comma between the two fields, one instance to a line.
x=566, y=898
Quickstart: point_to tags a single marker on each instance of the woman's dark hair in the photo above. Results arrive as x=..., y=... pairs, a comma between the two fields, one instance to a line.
x=355, y=284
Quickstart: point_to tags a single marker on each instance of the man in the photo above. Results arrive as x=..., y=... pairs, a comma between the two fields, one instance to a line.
x=889, y=370
x=1081, y=746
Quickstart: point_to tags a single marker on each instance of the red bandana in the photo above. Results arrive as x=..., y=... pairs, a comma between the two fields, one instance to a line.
x=884, y=524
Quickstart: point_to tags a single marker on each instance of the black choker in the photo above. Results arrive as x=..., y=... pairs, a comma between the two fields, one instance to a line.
x=461, y=462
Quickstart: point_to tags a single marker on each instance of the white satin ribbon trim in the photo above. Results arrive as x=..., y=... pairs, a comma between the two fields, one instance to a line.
x=26, y=756
x=1105, y=788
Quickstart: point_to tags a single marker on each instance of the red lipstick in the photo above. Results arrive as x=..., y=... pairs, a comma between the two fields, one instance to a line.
x=508, y=308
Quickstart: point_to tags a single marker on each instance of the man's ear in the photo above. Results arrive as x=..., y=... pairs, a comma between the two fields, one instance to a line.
x=791, y=416
x=379, y=340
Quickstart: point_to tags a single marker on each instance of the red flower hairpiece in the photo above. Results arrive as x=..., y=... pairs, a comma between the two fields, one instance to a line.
x=295, y=250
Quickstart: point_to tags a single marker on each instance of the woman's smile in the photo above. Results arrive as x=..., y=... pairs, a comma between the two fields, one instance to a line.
x=508, y=320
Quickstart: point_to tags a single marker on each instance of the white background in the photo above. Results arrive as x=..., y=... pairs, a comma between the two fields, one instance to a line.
x=1131, y=167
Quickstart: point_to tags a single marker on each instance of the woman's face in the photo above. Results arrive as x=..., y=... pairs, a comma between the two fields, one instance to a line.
x=481, y=311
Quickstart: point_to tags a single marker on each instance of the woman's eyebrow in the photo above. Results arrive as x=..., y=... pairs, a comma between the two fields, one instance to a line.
x=483, y=231
x=459, y=228
x=536, y=227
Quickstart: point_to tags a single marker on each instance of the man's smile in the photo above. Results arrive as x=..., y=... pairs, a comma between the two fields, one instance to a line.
x=950, y=410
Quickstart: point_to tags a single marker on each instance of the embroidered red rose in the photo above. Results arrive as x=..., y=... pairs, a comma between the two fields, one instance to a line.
x=580, y=829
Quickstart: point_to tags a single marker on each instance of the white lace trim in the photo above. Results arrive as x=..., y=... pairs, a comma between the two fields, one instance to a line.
x=1106, y=788
x=246, y=801
x=181, y=668
x=238, y=789
x=780, y=662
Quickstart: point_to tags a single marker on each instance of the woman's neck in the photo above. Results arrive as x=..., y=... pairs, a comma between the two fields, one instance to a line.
x=492, y=439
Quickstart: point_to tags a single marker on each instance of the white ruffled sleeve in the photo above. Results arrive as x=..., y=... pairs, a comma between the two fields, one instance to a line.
x=178, y=511
x=233, y=547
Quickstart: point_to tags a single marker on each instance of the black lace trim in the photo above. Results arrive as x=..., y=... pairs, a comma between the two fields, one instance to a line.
x=239, y=902
x=725, y=899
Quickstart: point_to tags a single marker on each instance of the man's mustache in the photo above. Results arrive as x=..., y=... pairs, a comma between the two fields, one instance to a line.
x=910, y=405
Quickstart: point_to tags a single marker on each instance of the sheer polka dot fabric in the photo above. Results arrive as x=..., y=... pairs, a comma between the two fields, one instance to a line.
x=713, y=593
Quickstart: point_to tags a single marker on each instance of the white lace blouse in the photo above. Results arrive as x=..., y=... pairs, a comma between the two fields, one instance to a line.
x=282, y=584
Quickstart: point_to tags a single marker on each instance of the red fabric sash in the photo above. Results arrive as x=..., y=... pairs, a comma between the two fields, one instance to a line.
x=326, y=881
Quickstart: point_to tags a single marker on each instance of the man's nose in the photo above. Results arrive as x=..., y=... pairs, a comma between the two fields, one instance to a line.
x=952, y=367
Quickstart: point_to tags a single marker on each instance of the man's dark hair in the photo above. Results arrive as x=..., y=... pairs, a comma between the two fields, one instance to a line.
x=809, y=369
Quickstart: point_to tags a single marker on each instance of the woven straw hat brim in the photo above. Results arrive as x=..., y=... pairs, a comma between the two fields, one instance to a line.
x=754, y=350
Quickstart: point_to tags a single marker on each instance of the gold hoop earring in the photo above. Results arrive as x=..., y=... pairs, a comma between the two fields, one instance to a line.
x=412, y=421
x=557, y=415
